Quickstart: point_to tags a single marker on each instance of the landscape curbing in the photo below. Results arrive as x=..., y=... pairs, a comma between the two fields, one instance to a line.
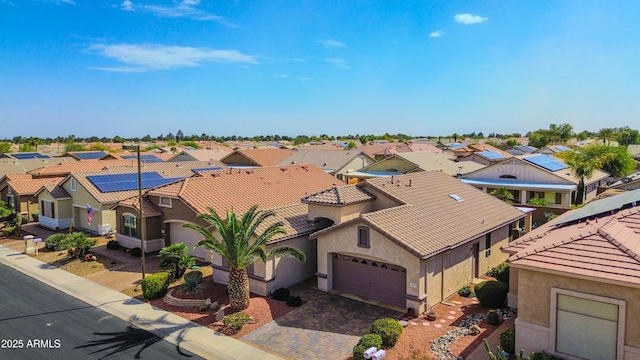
x=188, y=335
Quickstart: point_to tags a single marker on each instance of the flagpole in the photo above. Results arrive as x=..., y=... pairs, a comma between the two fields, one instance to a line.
x=142, y=234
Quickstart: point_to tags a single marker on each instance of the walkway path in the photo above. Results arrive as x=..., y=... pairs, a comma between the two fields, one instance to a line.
x=175, y=329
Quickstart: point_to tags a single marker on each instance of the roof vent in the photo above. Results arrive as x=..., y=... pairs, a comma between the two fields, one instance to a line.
x=284, y=169
x=456, y=197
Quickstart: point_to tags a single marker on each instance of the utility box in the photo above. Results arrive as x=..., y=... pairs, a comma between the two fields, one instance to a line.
x=369, y=352
x=379, y=354
x=29, y=246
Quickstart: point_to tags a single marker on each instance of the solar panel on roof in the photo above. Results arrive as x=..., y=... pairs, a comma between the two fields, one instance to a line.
x=525, y=148
x=147, y=158
x=25, y=156
x=562, y=148
x=492, y=155
x=129, y=181
x=92, y=155
x=545, y=161
x=206, y=169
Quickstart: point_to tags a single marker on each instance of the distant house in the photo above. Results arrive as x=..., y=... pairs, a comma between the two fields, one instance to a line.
x=412, y=162
x=552, y=149
x=91, y=155
x=334, y=162
x=484, y=154
x=522, y=150
x=409, y=240
x=25, y=155
x=167, y=208
x=576, y=282
x=201, y=154
x=66, y=168
x=15, y=166
x=536, y=176
x=256, y=157
x=634, y=150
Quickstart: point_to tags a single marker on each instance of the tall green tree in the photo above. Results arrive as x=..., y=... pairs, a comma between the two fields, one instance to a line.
x=582, y=167
x=615, y=160
x=239, y=242
x=5, y=147
x=606, y=135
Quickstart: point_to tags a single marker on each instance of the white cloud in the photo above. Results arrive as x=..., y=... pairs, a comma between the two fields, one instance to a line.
x=70, y=2
x=332, y=44
x=436, y=34
x=469, y=19
x=186, y=8
x=338, y=62
x=161, y=57
x=287, y=76
x=127, y=5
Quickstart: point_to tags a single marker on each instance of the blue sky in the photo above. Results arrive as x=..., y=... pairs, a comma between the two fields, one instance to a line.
x=132, y=68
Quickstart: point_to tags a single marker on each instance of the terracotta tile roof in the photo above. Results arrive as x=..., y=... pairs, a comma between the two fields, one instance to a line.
x=9, y=166
x=380, y=149
x=418, y=148
x=267, y=187
x=607, y=249
x=78, y=166
x=429, y=161
x=261, y=157
x=339, y=195
x=57, y=192
x=29, y=187
x=294, y=220
x=148, y=208
x=325, y=159
x=429, y=220
x=172, y=169
x=15, y=177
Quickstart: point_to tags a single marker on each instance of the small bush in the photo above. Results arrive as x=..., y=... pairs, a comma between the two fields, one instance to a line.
x=35, y=215
x=77, y=243
x=294, y=301
x=537, y=202
x=466, y=292
x=155, y=286
x=192, y=282
x=508, y=340
x=543, y=356
x=24, y=220
x=203, y=308
x=8, y=230
x=53, y=242
x=281, y=294
x=501, y=273
x=113, y=245
x=493, y=318
x=388, y=329
x=136, y=251
x=367, y=341
x=492, y=294
x=236, y=321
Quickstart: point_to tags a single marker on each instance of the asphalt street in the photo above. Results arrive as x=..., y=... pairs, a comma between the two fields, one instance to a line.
x=40, y=322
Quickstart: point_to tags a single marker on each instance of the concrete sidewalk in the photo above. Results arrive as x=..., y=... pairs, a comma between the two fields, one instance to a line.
x=175, y=329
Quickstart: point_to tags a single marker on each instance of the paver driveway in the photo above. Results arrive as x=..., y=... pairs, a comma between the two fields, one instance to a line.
x=326, y=326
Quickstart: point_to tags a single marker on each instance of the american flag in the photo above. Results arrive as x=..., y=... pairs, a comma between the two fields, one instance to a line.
x=90, y=212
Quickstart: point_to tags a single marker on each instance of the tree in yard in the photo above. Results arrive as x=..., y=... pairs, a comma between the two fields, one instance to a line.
x=616, y=160
x=5, y=147
x=582, y=167
x=351, y=145
x=503, y=194
x=176, y=259
x=606, y=135
x=241, y=245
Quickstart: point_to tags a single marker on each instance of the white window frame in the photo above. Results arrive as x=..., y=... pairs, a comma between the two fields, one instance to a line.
x=124, y=227
x=622, y=308
x=11, y=203
x=167, y=205
x=73, y=185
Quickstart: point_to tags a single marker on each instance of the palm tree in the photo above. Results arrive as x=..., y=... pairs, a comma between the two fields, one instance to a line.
x=241, y=245
x=176, y=259
x=606, y=135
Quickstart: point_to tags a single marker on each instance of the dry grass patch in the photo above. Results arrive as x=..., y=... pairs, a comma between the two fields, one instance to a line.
x=76, y=266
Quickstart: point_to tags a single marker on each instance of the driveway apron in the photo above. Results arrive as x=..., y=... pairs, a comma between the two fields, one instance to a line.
x=326, y=326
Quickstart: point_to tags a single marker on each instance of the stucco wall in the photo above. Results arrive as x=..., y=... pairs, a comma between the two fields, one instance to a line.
x=357, y=163
x=395, y=163
x=534, y=298
x=289, y=271
x=523, y=172
x=338, y=214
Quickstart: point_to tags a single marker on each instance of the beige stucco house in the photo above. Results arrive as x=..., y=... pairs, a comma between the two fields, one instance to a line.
x=576, y=282
x=410, y=240
x=335, y=162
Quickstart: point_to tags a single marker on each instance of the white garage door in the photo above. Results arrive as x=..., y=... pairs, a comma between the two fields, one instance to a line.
x=189, y=237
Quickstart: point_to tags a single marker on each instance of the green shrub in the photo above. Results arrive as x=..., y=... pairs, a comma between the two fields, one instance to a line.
x=236, y=321
x=113, y=245
x=367, y=341
x=492, y=294
x=35, y=215
x=493, y=318
x=192, y=282
x=294, y=301
x=466, y=292
x=78, y=243
x=24, y=220
x=136, y=251
x=508, y=340
x=53, y=242
x=543, y=356
x=155, y=286
x=388, y=329
x=501, y=273
x=8, y=230
x=280, y=294
x=537, y=202
x=176, y=259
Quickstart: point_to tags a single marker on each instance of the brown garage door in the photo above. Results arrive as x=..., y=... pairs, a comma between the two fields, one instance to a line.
x=370, y=279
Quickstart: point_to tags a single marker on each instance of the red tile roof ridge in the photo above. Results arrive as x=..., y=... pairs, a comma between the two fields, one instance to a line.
x=550, y=245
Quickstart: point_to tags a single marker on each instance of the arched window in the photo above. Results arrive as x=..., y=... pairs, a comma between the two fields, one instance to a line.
x=508, y=177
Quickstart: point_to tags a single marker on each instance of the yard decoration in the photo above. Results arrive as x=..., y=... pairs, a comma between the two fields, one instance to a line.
x=241, y=245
